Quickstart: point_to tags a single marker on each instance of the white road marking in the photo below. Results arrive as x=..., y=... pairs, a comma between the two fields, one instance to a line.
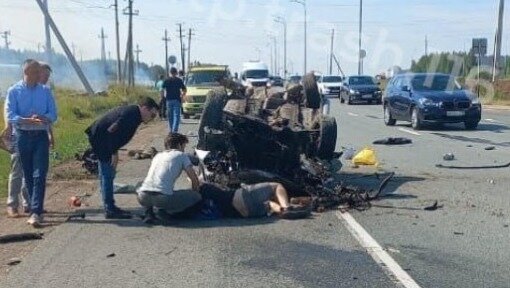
x=409, y=131
x=491, y=120
x=352, y=114
x=376, y=251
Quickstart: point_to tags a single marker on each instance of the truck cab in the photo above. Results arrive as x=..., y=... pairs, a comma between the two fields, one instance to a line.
x=199, y=81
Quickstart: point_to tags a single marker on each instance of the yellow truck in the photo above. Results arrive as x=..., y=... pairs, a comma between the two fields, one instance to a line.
x=200, y=80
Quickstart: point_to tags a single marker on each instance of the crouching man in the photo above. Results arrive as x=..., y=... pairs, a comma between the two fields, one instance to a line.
x=157, y=189
x=251, y=201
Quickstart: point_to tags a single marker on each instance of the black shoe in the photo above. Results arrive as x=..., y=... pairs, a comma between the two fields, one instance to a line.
x=117, y=210
x=149, y=217
x=114, y=215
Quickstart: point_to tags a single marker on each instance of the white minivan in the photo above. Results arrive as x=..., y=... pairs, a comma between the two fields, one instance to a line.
x=254, y=74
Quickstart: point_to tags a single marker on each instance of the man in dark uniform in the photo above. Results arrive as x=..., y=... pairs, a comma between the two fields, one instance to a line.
x=174, y=90
x=107, y=135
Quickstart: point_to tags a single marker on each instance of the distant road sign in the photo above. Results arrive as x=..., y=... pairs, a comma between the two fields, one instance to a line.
x=363, y=53
x=172, y=59
x=480, y=46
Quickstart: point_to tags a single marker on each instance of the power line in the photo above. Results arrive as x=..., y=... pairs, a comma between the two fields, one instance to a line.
x=166, y=39
x=129, y=50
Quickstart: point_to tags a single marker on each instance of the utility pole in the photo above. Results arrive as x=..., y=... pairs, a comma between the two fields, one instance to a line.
x=190, y=33
x=360, y=68
x=131, y=65
x=426, y=46
x=103, y=49
x=183, y=61
x=275, y=56
x=166, y=39
x=117, y=39
x=331, y=52
x=6, y=35
x=49, y=51
x=497, y=45
x=284, y=23
x=303, y=2
x=138, y=51
x=74, y=49
x=70, y=56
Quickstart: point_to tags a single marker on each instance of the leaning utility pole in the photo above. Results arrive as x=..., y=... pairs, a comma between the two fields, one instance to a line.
x=166, y=39
x=282, y=21
x=426, y=46
x=331, y=52
x=183, y=61
x=6, y=35
x=360, y=58
x=190, y=33
x=49, y=51
x=69, y=55
x=117, y=39
x=497, y=45
x=138, y=51
x=129, y=48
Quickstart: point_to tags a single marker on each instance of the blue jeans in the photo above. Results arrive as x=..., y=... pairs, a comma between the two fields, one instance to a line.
x=34, y=150
x=173, y=108
x=106, y=176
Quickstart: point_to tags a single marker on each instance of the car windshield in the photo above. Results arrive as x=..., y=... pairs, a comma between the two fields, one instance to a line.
x=257, y=74
x=331, y=79
x=295, y=78
x=204, y=78
x=361, y=81
x=434, y=83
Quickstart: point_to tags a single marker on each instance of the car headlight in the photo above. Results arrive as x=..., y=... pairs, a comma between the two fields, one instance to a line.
x=475, y=101
x=428, y=102
x=353, y=91
x=378, y=92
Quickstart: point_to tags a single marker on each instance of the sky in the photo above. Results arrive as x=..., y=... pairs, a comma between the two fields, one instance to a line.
x=235, y=31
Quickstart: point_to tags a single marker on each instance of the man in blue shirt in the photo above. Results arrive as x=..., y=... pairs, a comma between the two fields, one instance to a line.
x=30, y=108
x=173, y=91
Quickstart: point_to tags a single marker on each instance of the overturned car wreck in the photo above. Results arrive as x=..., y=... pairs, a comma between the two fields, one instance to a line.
x=274, y=135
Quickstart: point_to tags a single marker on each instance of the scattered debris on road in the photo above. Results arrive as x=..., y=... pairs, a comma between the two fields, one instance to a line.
x=458, y=233
x=448, y=157
x=474, y=167
x=90, y=161
x=393, y=141
x=13, y=261
x=433, y=207
x=143, y=154
x=349, y=153
x=76, y=215
x=121, y=188
x=9, y=238
x=74, y=201
x=110, y=255
x=489, y=148
x=365, y=157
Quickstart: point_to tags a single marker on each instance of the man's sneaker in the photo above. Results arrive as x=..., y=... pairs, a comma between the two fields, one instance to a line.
x=117, y=210
x=12, y=212
x=149, y=217
x=26, y=210
x=115, y=215
x=35, y=220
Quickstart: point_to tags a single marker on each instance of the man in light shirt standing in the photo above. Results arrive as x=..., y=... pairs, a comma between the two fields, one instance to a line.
x=30, y=109
x=157, y=189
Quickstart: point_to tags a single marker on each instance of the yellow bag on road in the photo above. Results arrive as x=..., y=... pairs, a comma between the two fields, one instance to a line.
x=365, y=157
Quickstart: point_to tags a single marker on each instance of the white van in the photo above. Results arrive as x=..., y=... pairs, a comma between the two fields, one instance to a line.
x=254, y=74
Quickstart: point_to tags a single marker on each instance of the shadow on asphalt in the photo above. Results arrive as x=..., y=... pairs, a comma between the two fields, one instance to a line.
x=454, y=127
x=95, y=216
x=472, y=139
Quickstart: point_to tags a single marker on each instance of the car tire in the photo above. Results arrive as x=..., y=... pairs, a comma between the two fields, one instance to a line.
x=471, y=125
x=416, y=122
x=341, y=97
x=185, y=115
x=388, y=118
x=349, y=101
x=212, y=114
x=378, y=102
x=327, y=138
x=369, y=102
x=312, y=95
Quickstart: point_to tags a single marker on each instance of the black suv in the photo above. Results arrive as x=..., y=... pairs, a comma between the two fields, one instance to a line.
x=423, y=98
x=360, y=88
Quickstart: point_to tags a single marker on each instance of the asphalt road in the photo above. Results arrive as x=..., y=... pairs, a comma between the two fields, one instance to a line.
x=463, y=244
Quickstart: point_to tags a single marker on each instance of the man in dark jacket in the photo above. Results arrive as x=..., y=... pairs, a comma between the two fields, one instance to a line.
x=107, y=135
x=173, y=91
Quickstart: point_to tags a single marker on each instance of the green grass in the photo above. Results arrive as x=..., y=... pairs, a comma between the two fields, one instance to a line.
x=75, y=111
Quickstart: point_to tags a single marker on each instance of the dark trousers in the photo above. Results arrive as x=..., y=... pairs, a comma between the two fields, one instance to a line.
x=34, y=150
x=162, y=108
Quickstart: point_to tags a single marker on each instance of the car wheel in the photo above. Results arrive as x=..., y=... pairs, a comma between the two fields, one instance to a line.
x=341, y=97
x=369, y=102
x=327, y=139
x=349, y=100
x=212, y=114
x=378, y=102
x=415, y=119
x=185, y=115
x=312, y=95
x=388, y=118
x=471, y=125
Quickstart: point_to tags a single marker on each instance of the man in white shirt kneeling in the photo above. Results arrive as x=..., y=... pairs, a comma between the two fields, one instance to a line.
x=157, y=189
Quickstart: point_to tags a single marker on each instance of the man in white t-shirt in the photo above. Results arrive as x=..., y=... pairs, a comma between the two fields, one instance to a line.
x=157, y=189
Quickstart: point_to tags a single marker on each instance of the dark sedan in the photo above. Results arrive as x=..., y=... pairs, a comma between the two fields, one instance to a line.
x=423, y=98
x=360, y=88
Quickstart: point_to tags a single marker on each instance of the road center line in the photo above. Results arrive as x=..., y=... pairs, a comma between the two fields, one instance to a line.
x=409, y=131
x=375, y=250
x=352, y=114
